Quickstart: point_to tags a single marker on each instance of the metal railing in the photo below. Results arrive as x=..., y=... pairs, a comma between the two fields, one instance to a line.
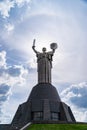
x=24, y=127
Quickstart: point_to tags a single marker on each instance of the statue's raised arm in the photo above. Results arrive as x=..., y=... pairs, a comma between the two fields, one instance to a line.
x=33, y=47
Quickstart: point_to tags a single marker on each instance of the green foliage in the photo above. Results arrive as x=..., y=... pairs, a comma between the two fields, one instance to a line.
x=58, y=127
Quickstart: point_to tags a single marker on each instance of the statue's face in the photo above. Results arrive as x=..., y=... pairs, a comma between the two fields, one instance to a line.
x=44, y=49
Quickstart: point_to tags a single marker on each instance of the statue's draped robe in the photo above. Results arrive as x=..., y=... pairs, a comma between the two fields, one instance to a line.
x=44, y=61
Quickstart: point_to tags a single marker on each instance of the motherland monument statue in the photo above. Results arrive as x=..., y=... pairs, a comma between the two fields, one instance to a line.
x=44, y=61
x=44, y=104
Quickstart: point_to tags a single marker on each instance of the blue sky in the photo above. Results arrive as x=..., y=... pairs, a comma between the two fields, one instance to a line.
x=60, y=21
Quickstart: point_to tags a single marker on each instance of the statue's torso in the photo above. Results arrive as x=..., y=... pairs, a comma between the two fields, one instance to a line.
x=44, y=56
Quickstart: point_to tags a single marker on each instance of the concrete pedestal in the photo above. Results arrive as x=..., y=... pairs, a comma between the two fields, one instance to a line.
x=43, y=104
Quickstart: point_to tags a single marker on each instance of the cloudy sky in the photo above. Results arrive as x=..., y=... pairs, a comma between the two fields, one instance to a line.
x=60, y=21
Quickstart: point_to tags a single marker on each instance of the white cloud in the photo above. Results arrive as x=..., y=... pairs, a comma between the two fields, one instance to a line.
x=3, y=59
x=10, y=76
x=20, y=3
x=80, y=114
x=5, y=7
x=76, y=97
x=76, y=94
x=9, y=27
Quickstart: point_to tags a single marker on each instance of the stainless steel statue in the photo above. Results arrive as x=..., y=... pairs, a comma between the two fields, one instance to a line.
x=44, y=61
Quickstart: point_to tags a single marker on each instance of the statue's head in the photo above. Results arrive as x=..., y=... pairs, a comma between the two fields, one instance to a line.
x=44, y=49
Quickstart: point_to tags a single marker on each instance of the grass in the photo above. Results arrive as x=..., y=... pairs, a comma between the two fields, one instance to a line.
x=57, y=127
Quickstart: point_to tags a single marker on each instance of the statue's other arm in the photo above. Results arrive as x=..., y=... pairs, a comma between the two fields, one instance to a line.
x=53, y=51
x=33, y=47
